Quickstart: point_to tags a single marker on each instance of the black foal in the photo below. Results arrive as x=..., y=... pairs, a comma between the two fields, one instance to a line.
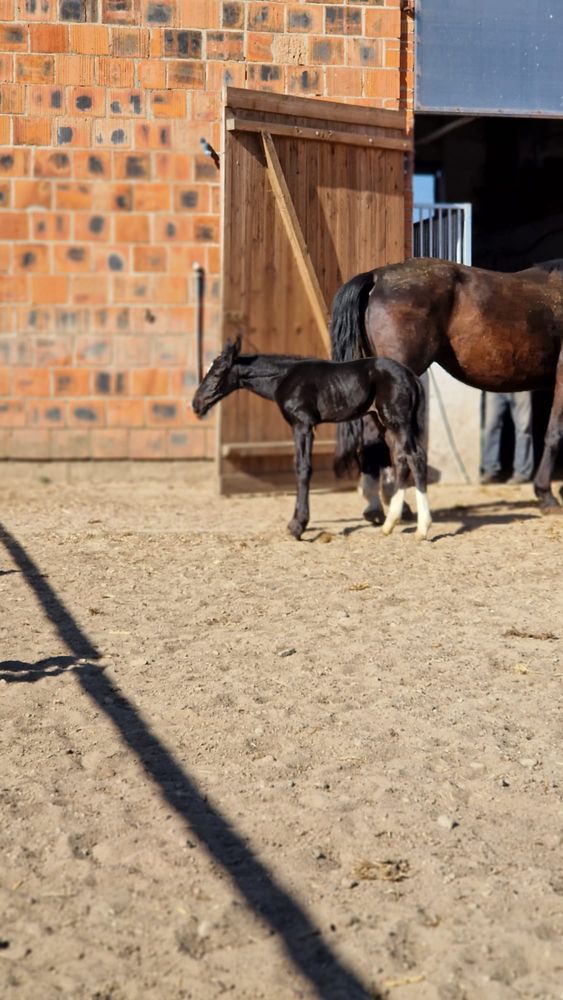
x=311, y=392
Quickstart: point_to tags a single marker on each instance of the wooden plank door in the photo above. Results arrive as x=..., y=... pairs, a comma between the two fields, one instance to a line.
x=313, y=194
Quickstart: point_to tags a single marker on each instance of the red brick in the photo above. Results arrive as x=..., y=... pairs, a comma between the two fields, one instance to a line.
x=109, y=443
x=130, y=42
x=305, y=82
x=383, y=23
x=12, y=412
x=92, y=164
x=305, y=17
x=170, y=351
x=381, y=83
x=112, y=133
x=115, y=72
x=232, y=14
x=89, y=290
x=149, y=382
x=13, y=37
x=5, y=379
x=165, y=412
x=131, y=289
x=14, y=162
x=180, y=44
x=113, y=198
x=265, y=16
x=52, y=164
x=343, y=20
x=49, y=288
x=365, y=52
x=132, y=229
x=174, y=166
x=151, y=197
x=32, y=131
x=259, y=46
x=5, y=194
x=5, y=258
x=89, y=39
x=72, y=133
x=72, y=258
x=151, y=73
x=111, y=259
x=92, y=227
x=45, y=413
x=125, y=103
x=206, y=228
x=86, y=100
x=86, y=413
x=266, y=77
x=14, y=226
x=190, y=198
x=71, y=69
x=152, y=135
x=71, y=381
x=344, y=81
x=93, y=350
x=132, y=351
x=200, y=13
x=44, y=10
x=31, y=257
x=7, y=12
x=149, y=259
x=326, y=51
x=185, y=74
x=225, y=45
x=12, y=99
x=132, y=166
x=51, y=351
x=120, y=11
x=190, y=443
x=182, y=259
x=48, y=37
x=46, y=99
x=30, y=381
x=170, y=289
x=125, y=412
x=73, y=196
x=51, y=226
x=168, y=104
x=35, y=69
x=172, y=229
x=219, y=75
x=6, y=67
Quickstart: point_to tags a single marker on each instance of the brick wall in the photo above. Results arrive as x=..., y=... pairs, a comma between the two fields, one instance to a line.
x=107, y=200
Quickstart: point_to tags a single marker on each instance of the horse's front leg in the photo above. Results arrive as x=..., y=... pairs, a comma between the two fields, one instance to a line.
x=303, y=439
x=553, y=438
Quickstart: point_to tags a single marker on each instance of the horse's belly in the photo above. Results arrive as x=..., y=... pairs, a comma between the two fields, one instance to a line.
x=501, y=359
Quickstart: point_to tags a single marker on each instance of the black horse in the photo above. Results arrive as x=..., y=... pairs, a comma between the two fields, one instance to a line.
x=496, y=332
x=310, y=392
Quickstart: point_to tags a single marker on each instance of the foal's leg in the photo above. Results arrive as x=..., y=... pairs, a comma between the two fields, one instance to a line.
x=553, y=438
x=374, y=458
x=401, y=469
x=418, y=464
x=303, y=438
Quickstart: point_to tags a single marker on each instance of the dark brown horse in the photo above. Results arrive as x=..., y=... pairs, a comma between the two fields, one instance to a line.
x=496, y=332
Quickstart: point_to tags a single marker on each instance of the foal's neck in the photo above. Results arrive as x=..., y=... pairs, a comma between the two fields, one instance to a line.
x=262, y=373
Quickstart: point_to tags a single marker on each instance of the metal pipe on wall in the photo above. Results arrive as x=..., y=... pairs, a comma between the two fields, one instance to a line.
x=199, y=276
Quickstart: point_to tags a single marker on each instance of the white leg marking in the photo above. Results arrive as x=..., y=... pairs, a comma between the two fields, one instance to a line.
x=424, y=517
x=395, y=512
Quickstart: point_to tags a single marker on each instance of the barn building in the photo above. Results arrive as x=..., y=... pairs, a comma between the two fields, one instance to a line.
x=173, y=171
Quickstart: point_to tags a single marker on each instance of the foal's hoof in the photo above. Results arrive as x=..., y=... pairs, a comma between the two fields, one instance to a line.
x=551, y=509
x=374, y=513
x=295, y=528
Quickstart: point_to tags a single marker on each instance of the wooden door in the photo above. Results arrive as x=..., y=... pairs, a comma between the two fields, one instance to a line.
x=313, y=194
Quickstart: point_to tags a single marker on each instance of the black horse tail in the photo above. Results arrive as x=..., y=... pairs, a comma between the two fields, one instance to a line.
x=347, y=334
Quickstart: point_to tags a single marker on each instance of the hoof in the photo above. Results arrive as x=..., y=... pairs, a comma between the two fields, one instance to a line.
x=551, y=510
x=374, y=513
x=296, y=529
x=421, y=536
x=387, y=528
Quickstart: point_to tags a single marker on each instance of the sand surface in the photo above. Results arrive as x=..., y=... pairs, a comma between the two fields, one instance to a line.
x=235, y=764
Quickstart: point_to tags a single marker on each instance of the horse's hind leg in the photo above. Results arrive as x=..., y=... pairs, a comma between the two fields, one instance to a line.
x=374, y=456
x=303, y=439
x=553, y=438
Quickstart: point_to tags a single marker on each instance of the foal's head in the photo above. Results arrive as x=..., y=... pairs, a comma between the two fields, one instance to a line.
x=221, y=379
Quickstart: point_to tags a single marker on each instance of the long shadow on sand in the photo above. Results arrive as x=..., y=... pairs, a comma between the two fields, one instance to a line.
x=302, y=939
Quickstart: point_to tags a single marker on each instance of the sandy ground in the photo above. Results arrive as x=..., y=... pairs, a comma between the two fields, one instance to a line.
x=237, y=764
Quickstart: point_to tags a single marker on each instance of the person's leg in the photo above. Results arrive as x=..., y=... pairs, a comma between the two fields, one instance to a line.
x=495, y=405
x=521, y=413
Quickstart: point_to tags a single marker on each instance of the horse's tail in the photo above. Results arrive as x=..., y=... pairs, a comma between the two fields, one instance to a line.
x=347, y=334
